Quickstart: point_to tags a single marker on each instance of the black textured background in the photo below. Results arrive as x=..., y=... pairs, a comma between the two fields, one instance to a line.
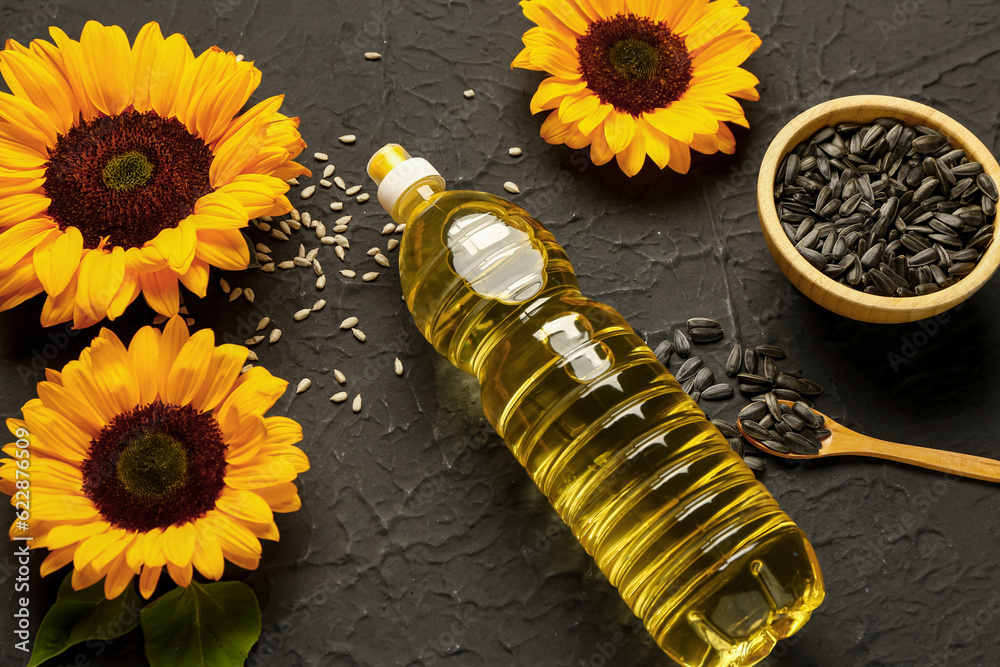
x=421, y=541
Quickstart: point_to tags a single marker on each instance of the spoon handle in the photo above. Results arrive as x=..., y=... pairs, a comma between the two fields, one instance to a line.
x=965, y=465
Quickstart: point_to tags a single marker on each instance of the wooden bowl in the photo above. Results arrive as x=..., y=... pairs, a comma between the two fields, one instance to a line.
x=827, y=292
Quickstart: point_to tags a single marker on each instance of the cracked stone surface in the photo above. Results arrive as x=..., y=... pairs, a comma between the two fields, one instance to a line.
x=421, y=541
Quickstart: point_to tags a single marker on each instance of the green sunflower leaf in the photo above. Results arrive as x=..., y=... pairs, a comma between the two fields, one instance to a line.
x=254, y=263
x=84, y=616
x=210, y=625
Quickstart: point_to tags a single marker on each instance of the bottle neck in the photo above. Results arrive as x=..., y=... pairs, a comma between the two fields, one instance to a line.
x=414, y=197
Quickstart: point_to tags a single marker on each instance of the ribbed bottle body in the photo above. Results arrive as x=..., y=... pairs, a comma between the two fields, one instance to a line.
x=698, y=549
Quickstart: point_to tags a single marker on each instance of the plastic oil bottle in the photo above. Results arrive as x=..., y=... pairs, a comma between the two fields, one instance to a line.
x=698, y=549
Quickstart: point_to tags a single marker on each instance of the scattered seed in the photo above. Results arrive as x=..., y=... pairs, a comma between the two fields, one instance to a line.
x=321, y=282
x=705, y=334
x=382, y=260
x=359, y=334
x=339, y=377
x=348, y=273
x=275, y=336
x=307, y=191
x=511, y=187
x=689, y=369
x=391, y=244
x=514, y=151
x=301, y=261
x=349, y=323
x=663, y=352
x=278, y=234
x=735, y=361
x=264, y=321
x=253, y=341
x=682, y=346
x=755, y=463
x=224, y=285
x=470, y=93
x=397, y=366
x=287, y=264
x=356, y=405
x=251, y=355
x=328, y=171
x=336, y=206
x=322, y=157
x=348, y=139
x=339, y=252
x=319, y=305
x=353, y=190
x=362, y=198
x=326, y=183
x=389, y=228
x=304, y=384
x=267, y=268
x=235, y=294
x=717, y=392
x=373, y=55
x=339, y=182
x=339, y=397
x=301, y=314
x=248, y=295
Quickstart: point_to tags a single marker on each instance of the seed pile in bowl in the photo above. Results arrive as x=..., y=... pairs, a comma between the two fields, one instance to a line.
x=887, y=208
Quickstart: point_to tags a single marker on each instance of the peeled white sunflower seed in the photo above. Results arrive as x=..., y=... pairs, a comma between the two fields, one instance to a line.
x=353, y=190
x=470, y=93
x=373, y=55
x=336, y=206
x=511, y=187
x=348, y=139
x=322, y=157
x=325, y=183
x=397, y=366
x=356, y=405
x=362, y=198
x=328, y=172
x=340, y=377
x=287, y=264
x=359, y=334
x=264, y=321
x=391, y=245
x=275, y=336
x=224, y=285
x=389, y=228
x=251, y=355
x=514, y=152
x=340, y=182
x=321, y=282
x=267, y=268
x=319, y=305
x=235, y=294
x=382, y=260
x=301, y=314
x=307, y=191
x=349, y=323
x=370, y=276
x=253, y=341
x=248, y=294
x=304, y=384
x=339, y=251
x=339, y=397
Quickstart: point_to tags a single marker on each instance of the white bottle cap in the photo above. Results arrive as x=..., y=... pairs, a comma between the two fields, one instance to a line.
x=395, y=172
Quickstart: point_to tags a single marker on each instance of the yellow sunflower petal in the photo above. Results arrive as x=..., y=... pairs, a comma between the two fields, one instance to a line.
x=118, y=578
x=619, y=130
x=233, y=154
x=180, y=575
x=101, y=275
x=56, y=560
x=108, y=71
x=555, y=61
x=85, y=578
x=729, y=51
x=682, y=14
x=98, y=546
x=552, y=91
x=144, y=348
x=258, y=194
x=53, y=434
x=59, y=308
x=219, y=210
x=227, y=362
x=242, y=504
x=559, y=16
x=152, y=548
x=113, y=372
x=253, y=476
x=16, y=209
x=680, y=157
x=145, y=259
x=145, y=52
x=255, y=392
x=22, y=239
x=224, y=248
x=722, y=15
x=578, y=106
x=600, y=152
x=177, y=244
x=188, y=371
x=171, y=62
x=672, y=123
x=207, y=557
x=126, y=294
x=75, y=408
x=196, y=277
x=20, y=113
x=178, y=544
x=29, y=79
x=281, y=497
x=159, y=289
x=71, y=62
x=148, y=579
x=18, y=284
x=56, y=265
x=634, y=156
x=175, y=335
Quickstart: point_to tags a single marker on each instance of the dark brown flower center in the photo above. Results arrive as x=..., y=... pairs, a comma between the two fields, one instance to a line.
x=126, y=177
x=633, y=63
x=156, y=466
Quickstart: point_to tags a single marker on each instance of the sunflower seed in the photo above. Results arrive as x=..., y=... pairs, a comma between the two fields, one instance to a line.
x=264, y=321
x=755, y=463
x=389, y=228
x=373, y=55
x=321, y=282
x=772, y=351
x=755, y=430
x=987, y=185
x=348, y=139
x=275, y=336
x=381, y=259
x=752, y=378
x=307, y=191
x=235, y=294
x=514, y=151
x=689, y=369
x=703, y=379
x=735, y=361
x=705, y=334
x=304, y=384
x=328, y=171
x=359, y=334
x=253, y=341
x=736, y=444
x=353, y=190
x=702, y=322
x=391, y=244
x=339, y=397
x=356, y=404
x=750, y=360
x=339, y=252
x=663, y=352
x=397, y=366
x=776, y=446
x=287, y=264
x=772, y=405
x=349, y=323
x=370, y=276
x=362, y=198
x=682, y=346
x=754, y=412
x=799, y=444
x=511, y=187
x=727, y=429
x=717, y=392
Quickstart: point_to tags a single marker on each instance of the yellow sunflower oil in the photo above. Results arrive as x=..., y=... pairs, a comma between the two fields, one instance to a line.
x=698, y=549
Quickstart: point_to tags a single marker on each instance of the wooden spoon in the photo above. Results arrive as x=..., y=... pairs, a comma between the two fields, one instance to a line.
x=843, y=441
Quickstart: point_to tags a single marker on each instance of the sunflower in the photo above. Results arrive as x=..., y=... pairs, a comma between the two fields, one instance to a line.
x=151, y=456
x=632, y=78
x=125, y=170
